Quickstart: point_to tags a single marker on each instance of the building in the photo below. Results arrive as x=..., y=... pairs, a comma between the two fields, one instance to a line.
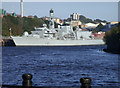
x=90, y=25
x=75, y=23
x=45, y=18
x=30, y=16
x=111, y=25
x=75, y=16
x=98, y=35
x=2, y=13
x=114, y=22
x=57, y=20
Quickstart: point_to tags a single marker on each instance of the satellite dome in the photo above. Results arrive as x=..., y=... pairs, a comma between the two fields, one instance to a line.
x=51, y=11
x=25, y=33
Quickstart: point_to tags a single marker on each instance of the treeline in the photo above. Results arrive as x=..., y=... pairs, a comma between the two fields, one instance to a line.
x=112, y=39
x=85, y=20
x=19, y=25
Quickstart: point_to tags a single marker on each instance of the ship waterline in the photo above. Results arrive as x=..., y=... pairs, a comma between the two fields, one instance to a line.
x=31, y=41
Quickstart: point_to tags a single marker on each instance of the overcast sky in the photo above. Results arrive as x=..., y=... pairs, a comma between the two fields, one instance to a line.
x=101, y=10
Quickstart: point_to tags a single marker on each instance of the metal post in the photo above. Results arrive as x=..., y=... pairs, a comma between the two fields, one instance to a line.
x=10, y=33
x=27, y=80
x=85, y=82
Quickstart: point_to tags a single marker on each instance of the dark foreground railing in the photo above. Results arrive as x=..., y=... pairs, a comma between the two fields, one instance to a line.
x=27, y=83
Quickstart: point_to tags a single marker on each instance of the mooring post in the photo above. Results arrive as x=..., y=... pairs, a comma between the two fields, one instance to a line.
x=85, y=82
x=27, y=80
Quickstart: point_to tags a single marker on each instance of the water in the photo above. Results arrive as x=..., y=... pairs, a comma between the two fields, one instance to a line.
x=60, y=66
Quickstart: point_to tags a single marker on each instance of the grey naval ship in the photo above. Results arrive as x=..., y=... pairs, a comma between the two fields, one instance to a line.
x=61, y=36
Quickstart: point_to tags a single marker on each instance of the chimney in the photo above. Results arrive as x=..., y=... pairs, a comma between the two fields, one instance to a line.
x=21, y=5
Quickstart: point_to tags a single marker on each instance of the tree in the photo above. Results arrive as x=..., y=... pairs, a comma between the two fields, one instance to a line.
x=99, y=21
x=95, y=31
x=35, y=16
x=100, y=27
x=112, y=39
x=19, y=25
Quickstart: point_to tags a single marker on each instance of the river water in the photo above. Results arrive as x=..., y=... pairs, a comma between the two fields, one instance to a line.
x=60, y=66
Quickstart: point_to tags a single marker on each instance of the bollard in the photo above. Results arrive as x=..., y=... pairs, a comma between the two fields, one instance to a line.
x=86, y=82
x=27, y=80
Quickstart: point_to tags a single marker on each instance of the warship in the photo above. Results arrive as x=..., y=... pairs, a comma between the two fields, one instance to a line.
x=64, y=35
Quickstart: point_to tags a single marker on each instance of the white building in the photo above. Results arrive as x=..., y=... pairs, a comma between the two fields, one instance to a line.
x=91, y=25
x=114, y=22
x=75, y=23
x=75, y=16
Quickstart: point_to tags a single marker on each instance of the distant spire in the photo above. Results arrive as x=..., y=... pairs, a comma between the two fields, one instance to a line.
x=21, y=5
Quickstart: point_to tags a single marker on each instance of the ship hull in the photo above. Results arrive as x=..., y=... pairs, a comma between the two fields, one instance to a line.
x=31, y=41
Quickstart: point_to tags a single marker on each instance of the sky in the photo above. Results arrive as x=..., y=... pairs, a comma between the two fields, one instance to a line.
x=61, y=0
x=93, y=10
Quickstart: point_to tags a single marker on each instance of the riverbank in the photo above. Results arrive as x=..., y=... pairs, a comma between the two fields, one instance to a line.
x=112, y=40
x=7, y=41
x=111, y=51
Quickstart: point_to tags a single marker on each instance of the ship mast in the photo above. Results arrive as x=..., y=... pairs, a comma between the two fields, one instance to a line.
x=51, y=24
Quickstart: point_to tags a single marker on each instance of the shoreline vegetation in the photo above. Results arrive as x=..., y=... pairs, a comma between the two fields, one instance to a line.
x=112, y=40
x=19, y=25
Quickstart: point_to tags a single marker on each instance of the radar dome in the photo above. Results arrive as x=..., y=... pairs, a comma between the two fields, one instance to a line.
x=25, y=33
